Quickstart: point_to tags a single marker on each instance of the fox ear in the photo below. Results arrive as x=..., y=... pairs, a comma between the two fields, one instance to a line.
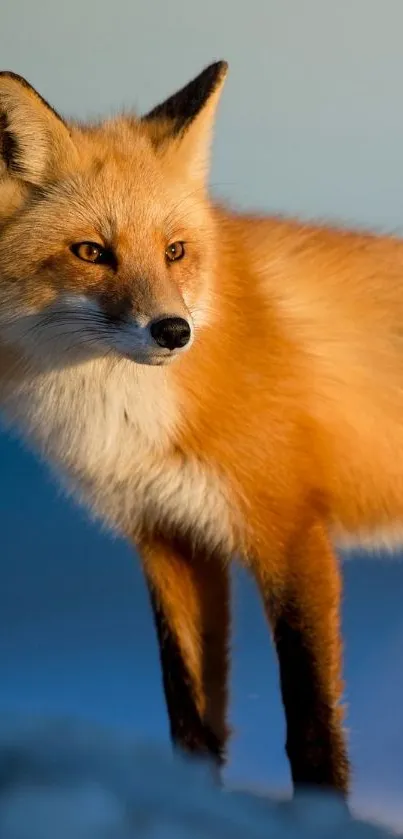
x=183, y=124
x=34, y=140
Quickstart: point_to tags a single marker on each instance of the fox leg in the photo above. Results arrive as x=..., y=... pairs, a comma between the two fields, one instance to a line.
x=304, y=613
x=189, y=593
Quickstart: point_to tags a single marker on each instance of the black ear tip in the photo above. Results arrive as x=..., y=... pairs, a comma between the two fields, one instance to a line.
x=183, y=106
x=222, y=67
x=217, y=71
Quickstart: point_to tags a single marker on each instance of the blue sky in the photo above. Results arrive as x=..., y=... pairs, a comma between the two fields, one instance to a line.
x=76, y=636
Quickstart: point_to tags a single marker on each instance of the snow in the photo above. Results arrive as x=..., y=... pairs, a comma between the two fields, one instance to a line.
x=72, y=780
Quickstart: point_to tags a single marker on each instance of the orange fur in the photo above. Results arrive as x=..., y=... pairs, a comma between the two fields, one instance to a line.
x=277, y=434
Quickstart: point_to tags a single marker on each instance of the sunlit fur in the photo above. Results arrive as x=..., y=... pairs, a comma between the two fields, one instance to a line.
x=278, y=430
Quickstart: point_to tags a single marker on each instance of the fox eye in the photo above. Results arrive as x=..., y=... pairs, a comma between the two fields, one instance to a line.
x=175, y=251
x=91, y=252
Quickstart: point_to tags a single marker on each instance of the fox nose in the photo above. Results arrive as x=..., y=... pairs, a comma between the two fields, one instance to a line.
x=171, y=332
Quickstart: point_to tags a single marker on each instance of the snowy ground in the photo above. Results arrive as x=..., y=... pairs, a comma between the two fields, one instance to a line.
x=67, y=780
x=76, y=637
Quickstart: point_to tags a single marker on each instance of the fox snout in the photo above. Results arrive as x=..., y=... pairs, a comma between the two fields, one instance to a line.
x=171, y=331
x=141, y=323
x=162, y=327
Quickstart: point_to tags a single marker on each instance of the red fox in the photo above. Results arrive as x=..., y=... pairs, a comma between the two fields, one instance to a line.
x=210, y=384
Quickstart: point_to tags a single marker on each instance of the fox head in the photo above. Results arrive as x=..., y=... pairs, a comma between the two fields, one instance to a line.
x=107, y=237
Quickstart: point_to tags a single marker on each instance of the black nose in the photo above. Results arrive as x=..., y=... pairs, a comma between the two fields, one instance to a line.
x=171, y=332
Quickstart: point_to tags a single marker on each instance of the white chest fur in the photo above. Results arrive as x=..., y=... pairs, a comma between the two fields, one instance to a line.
x=107, y=431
